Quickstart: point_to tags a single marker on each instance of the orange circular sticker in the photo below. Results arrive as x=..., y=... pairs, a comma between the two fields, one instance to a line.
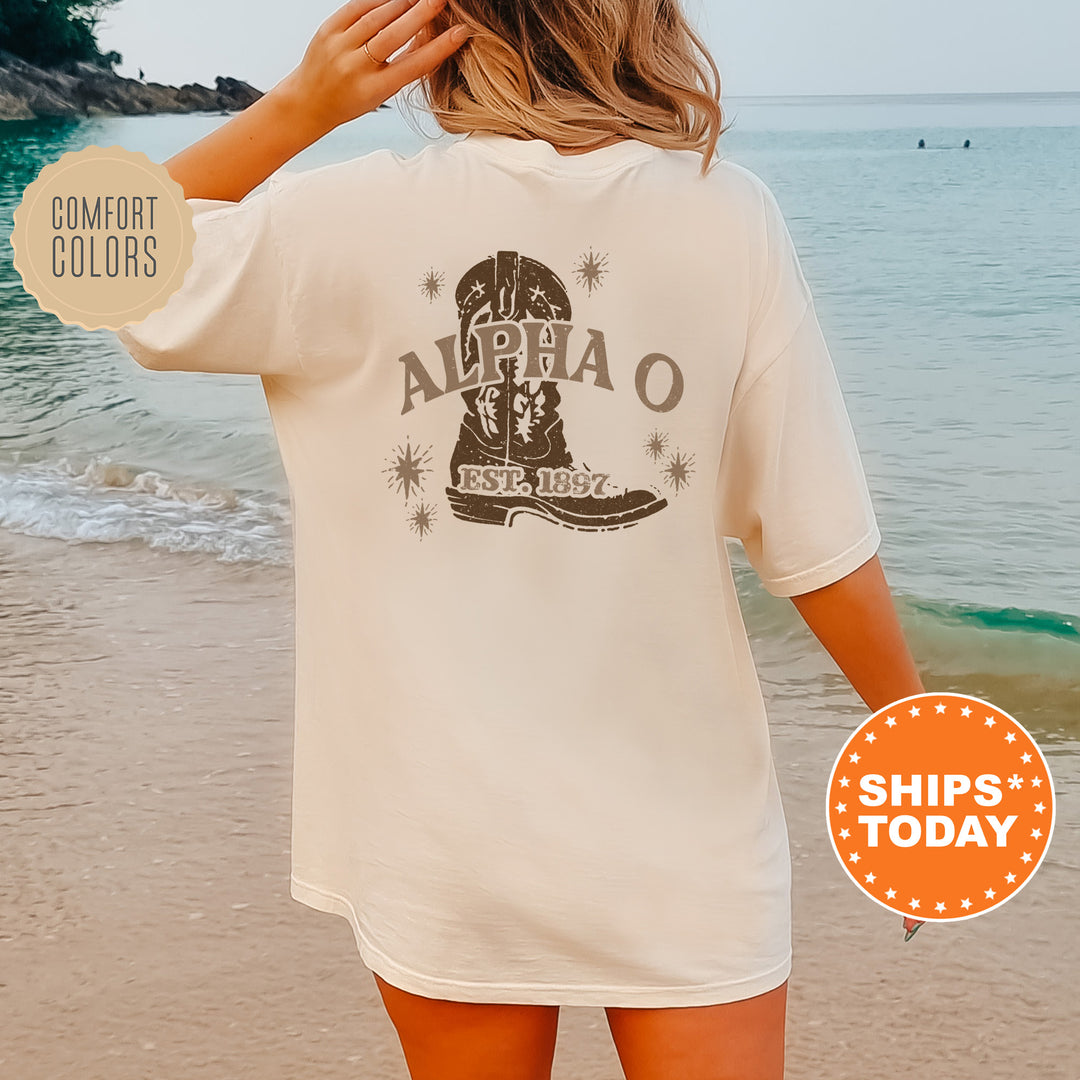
x=941, y=807
x=103, y=237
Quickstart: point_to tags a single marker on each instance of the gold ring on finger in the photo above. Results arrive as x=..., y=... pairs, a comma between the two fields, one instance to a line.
x=377, y=63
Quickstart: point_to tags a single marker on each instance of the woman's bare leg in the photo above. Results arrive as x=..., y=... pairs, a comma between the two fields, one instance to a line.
x=743, y=1040
x=457, y=1040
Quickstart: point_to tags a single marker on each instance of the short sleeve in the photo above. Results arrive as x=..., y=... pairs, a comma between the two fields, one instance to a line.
x=791, y=486
x=231, y=315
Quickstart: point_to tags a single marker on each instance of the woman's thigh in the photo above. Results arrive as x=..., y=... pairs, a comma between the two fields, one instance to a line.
x=457, y=1040
x=741, y=1040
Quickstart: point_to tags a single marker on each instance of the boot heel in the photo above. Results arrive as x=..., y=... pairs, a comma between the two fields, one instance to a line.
x=477, y=508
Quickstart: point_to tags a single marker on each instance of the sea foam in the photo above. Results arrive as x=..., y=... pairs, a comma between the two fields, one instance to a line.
x=107, y=501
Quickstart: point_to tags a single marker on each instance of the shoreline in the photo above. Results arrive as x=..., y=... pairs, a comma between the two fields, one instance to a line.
x=146, y=925
x=83, y=89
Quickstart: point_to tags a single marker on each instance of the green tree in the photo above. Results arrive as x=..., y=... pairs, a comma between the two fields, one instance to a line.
x=49, y=32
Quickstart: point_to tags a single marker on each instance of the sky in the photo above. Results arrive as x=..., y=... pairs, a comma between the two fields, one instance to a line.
x=762, y=47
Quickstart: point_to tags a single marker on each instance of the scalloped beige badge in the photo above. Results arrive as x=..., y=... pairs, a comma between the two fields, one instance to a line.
x=103, y=237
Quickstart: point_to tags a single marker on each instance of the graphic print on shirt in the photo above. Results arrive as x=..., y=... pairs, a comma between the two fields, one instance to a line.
x=431, y=285
x=679, y=465
x=405, y=474
x=511, y=455
x=590, y=270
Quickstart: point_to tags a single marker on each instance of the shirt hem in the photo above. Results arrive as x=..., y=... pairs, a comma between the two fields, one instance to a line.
x=416, y=982
x=829, y=572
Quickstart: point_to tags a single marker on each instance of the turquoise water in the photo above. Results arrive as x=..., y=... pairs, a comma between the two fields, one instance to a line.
x=948, y=285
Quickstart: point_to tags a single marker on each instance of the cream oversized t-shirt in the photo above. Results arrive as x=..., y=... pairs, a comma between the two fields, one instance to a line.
x=521, y=398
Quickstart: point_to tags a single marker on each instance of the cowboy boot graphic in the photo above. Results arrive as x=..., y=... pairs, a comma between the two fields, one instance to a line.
x=511, y=456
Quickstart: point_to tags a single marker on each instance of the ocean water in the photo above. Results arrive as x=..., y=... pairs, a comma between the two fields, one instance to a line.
x=947, y=281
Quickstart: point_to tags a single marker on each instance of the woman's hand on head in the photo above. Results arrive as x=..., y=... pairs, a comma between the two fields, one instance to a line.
x=339, y=79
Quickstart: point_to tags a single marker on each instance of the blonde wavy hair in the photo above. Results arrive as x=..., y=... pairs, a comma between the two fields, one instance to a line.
x=575, y=72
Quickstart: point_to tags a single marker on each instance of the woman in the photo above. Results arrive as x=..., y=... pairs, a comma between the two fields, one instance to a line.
x=523, y=386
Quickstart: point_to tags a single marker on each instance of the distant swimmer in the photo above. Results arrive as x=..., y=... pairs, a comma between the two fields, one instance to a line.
x=922, y=144
x=967, y=144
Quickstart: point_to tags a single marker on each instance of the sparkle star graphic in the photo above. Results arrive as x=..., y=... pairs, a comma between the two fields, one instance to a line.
x=965, y=903
x=421, y=519
x=1036, y=781
x=1036, y=834
x=1026, y=857
x=939, y=906
x=853, y=758
x=870, y=736
x=1026, y=759
x=965, y=711
x=841, y=807
x=890, y=894
x=854, y=857
x=870, y=879
x=939, y=708
x=914, y=710
x=591, y=270
x=891, y=722
x=431, y=284
x=1010, y=878
x=913, y=904
x=405, y=468
x=1015, y=781
x=990, y=894
x=1011, y=737
x=656, y=445
x=1039, y=807
x=989, y=722
x=844, y=834
x=844, y=781
x=678, y=470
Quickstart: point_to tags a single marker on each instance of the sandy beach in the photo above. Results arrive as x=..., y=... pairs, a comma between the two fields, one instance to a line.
x=146, y=927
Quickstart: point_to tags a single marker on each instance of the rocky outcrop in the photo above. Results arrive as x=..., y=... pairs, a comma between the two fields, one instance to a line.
x=83, y=89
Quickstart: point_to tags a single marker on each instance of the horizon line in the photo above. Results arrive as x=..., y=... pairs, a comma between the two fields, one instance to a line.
x=912, y=95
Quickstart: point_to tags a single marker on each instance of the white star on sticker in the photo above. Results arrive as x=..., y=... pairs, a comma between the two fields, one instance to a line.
x=1036, y=833
x=870, y=736
x=1010, y=878
x=841, y=807
x=1026, y=857
x=1025, y=758
x=844, y=834
x=990, y=894
x=1036, y=781
x=914, y=710
x=844, y=781
x=989, y=721
x=854, y=857
x=939, y=708
x=891, y=722
x=853, y=758
x=870, y=879
x=965, y=903
x=1011, y=737
x=939, y=906
x=1039, y=808
x=890, y=894
x=913, y=904
x=965, y=711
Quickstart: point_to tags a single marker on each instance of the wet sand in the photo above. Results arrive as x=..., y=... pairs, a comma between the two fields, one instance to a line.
x=146, y=927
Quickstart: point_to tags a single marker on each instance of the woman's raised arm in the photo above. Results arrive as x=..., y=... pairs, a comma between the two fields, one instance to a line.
x=342, y=76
